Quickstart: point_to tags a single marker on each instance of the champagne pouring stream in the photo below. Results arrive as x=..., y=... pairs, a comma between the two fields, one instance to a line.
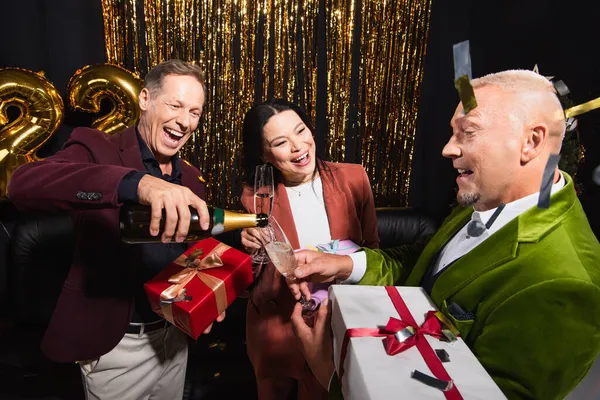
x=264, y=191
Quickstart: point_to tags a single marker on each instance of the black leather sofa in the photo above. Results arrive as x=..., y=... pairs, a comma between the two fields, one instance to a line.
x=35, y=253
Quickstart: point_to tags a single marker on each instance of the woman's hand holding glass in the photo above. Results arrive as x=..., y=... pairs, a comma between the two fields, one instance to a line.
x=283, y=258
x=254, y=239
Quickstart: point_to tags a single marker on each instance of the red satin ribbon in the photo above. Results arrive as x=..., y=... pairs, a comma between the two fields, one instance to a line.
x=393, y=346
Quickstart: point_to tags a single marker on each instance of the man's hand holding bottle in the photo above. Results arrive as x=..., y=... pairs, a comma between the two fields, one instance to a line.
x=175, y=200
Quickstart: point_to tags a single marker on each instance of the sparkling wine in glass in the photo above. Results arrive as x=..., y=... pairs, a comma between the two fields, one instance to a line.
x=282, y=256
x=263, y=203
x=264, y=189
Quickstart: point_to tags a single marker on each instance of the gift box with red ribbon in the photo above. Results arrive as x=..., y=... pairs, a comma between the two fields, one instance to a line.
x=199, y=285
x=391, y=342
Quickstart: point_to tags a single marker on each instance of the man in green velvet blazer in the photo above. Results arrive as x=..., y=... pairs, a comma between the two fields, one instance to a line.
x=525, y=294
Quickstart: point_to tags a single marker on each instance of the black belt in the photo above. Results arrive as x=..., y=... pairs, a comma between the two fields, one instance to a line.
x=138, y=328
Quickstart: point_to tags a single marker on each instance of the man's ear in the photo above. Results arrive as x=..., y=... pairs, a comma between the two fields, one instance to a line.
x=534, y=141
x=144, y=99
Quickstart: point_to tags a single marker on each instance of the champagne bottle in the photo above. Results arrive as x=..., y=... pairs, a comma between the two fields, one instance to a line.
x=135, y=223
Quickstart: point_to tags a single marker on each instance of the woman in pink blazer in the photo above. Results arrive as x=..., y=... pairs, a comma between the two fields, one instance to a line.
x=315, y=203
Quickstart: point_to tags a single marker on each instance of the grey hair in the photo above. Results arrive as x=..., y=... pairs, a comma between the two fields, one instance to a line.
x=154, y=79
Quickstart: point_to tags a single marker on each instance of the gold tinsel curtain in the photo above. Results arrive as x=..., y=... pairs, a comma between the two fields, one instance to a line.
x=356, y=66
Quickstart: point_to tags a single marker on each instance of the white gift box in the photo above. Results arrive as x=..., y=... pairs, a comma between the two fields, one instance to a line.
x=370, y=373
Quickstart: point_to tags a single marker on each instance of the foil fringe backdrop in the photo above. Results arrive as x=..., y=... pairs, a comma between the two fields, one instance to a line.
x=356, y=66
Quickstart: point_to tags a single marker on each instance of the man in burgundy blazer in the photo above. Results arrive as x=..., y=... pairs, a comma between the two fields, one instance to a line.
x=92, y=177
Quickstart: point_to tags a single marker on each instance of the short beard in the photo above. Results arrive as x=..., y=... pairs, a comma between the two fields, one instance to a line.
x=468, y=199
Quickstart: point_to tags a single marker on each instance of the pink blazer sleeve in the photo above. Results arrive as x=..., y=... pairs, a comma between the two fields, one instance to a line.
x=368, y=218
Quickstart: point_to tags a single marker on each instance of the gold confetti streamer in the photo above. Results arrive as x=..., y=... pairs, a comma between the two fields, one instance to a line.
x=252, y=49
x=582, y=108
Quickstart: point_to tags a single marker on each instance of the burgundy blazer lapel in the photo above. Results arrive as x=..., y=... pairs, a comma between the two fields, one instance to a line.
x=131, y=157
x=191, y=178
x=129, y=149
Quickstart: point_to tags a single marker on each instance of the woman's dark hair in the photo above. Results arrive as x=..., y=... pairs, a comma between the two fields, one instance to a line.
x=252, y=138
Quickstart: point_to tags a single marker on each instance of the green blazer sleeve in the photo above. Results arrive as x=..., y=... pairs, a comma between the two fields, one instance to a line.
x=392, y=266
x=389, y=267
x=523, y=341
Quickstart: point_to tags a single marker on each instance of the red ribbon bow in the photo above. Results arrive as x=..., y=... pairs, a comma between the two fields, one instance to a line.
x=393, y=346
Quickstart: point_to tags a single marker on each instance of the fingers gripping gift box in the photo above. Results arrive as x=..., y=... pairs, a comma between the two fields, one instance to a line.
x=389, y=342
x=343, y=247
x=199, y=285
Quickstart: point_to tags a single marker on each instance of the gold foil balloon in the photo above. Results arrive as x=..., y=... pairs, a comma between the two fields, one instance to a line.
x=93, y=83
x=41, y=111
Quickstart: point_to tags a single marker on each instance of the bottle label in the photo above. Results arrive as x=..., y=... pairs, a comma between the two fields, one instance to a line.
x=218, y=221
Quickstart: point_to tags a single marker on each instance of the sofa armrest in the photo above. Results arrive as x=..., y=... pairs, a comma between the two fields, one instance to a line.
x=402, y=225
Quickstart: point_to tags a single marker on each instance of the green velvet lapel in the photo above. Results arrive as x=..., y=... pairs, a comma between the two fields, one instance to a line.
x=483, y=258
x=536, y=223
x=502, y=247
x=452, y=225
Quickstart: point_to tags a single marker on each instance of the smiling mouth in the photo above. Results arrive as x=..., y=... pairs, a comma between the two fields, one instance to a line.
x=301, y=159
x=172, y=135
x=462, y=173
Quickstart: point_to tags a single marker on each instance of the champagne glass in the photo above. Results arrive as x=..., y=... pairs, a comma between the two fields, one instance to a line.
x=282, y=256
x=264, y=190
